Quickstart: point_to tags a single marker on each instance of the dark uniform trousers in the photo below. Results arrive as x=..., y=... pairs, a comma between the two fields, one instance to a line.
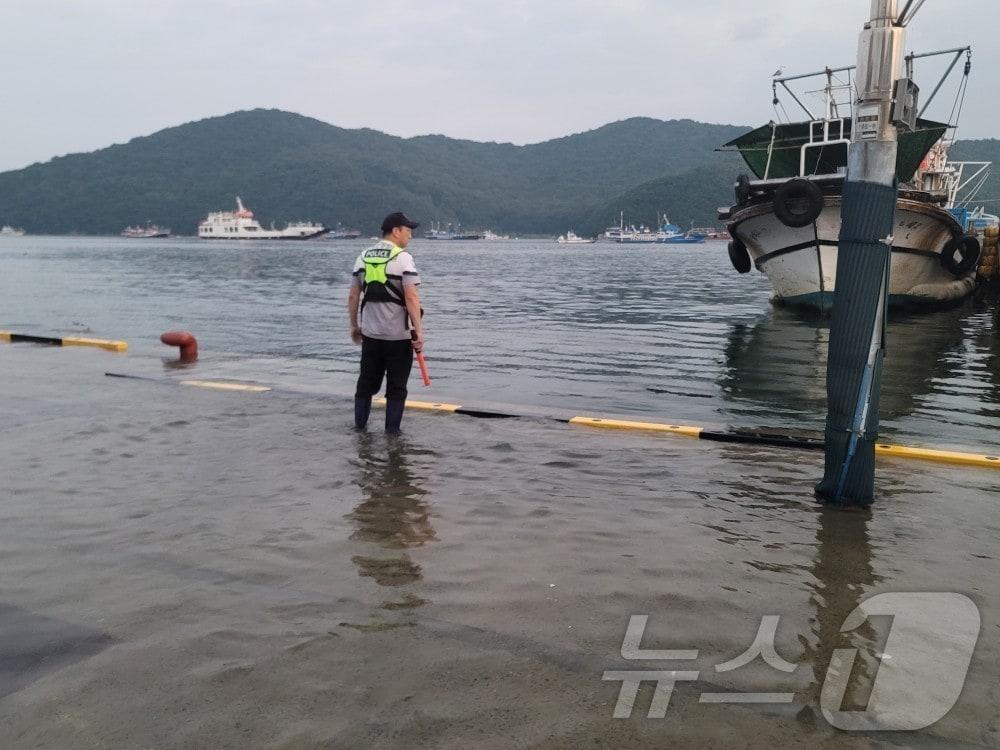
x=392, y=359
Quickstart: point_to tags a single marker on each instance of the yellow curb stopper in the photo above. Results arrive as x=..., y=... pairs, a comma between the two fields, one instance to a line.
x=947, y=457
x=223, y=386
x=111, y=346
x=424, y=405
x=620, y=424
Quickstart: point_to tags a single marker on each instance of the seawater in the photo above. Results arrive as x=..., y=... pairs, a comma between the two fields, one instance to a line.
x=666, y=331
x=191, y=568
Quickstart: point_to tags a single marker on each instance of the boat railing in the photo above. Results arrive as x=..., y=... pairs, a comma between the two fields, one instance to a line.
x=823, y=133
x=962, y=188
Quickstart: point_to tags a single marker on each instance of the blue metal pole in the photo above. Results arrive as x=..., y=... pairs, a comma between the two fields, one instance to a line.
x=857, y=329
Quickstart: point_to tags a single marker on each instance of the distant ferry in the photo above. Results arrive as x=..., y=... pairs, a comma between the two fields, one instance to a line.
x=150, y=231
x=9, y=231
x=241, y=225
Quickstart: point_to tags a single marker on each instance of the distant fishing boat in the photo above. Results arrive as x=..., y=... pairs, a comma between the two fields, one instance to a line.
x=710, y=233
x=435, y=232
x=150, y=231
x=630, y=234
x=786, y=222
x=666, y=234
x=671, y=234
x=468, y=235
x=570, y=238
x=241, y=225
x=452, y=232
x=9, y=231
x=341, y=232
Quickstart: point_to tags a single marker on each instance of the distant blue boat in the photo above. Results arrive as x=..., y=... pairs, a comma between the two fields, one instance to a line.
x=671, y=234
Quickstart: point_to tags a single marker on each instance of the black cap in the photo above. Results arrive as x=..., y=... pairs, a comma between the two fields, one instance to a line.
x=397, y=219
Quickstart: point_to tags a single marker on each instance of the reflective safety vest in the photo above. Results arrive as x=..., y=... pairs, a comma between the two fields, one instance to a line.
x=376, y=286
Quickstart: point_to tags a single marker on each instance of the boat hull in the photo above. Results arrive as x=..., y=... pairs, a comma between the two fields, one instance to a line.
x=261, y=236
x=801, y=263
x=682, y=241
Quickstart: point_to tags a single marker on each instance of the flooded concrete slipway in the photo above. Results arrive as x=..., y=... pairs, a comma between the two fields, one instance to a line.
x=182, y=567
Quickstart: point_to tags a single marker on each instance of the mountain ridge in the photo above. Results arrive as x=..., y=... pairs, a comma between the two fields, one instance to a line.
x=288, y=166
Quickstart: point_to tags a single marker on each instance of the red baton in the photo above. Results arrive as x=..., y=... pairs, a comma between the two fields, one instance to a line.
x=421, y=362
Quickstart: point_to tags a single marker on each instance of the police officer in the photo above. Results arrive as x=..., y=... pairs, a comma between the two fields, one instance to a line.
x=384, y=307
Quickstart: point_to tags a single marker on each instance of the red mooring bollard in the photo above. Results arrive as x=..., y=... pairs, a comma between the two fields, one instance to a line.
x=188, y=344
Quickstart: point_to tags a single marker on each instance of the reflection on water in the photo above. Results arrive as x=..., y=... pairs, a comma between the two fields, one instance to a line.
x=392, y=513
x=842, y=577
x=937, y=366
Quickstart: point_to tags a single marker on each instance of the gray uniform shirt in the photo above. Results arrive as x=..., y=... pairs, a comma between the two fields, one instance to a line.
x=387, y=320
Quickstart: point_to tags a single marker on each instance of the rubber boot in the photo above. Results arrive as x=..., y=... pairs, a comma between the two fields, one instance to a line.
x=362, y=408
x=393, y=415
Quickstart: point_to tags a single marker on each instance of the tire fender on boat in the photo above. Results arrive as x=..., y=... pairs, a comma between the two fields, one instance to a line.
x=798, y=202
x=739, y=256
x=960, y=254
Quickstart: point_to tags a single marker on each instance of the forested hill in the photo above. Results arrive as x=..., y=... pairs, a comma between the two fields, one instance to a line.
x=286, y=166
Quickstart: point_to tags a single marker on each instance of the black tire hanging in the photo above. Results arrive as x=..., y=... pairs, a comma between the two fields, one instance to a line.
x=960, y=255
x=739, y=256
x=742, y=190
x=798, y=203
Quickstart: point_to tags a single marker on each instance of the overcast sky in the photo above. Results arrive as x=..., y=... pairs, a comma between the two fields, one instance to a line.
x=82, y=74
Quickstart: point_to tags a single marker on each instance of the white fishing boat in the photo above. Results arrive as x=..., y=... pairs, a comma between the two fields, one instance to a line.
x=9, y=231
x=632, y=234
x=435, y=232
x=786, y=220
x=150, y=231
x=628, y=234
x=570, y=238
x=241, y=225
x=340, y=232
x=453, y=232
